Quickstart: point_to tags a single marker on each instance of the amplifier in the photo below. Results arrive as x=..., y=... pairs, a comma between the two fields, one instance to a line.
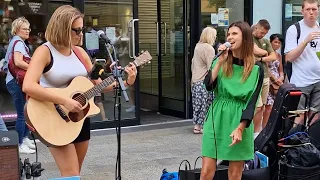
x=9, y=155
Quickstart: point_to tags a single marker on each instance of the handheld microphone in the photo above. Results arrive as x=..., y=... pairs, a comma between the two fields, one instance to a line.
x=228, y=45
x=103, y=36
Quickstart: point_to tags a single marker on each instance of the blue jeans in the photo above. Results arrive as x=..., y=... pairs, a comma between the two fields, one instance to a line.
x=3, y=126
x=19, y=100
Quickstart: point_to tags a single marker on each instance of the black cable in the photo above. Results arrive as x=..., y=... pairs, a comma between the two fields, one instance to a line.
x=214, y=132
x=35, y=144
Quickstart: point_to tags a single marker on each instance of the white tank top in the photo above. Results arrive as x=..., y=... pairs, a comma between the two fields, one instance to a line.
x=63, y=69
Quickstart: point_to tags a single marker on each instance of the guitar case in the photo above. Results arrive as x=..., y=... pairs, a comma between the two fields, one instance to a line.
x=287, y=99
x=313, y=132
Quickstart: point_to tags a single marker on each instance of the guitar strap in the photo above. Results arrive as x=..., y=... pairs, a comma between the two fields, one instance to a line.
x=80, y=57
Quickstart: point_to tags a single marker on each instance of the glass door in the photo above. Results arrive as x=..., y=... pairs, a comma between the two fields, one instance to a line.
x=161, y=32
x=172, y=60
x=115, y=18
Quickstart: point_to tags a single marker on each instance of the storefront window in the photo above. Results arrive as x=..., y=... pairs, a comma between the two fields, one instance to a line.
x=220, y=14
x=8, y=12
x=37, y=12
x=292, y=12
x=113, y=18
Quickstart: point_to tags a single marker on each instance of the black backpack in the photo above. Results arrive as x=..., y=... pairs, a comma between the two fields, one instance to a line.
x=289, y=64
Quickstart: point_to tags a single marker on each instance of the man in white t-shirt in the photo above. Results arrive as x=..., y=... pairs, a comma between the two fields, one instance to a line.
x=303, y=56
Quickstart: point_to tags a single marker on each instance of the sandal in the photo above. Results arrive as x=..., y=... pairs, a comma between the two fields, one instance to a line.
x=197, y=131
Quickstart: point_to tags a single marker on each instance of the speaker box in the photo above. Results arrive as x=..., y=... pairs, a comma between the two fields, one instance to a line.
x=9, y=155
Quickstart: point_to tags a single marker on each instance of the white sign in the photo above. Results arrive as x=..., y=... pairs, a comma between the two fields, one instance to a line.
x=223, y=16
x=111, y=33
x=34, y=6
x=92, y=41
x=214, y=18
x=288, y=11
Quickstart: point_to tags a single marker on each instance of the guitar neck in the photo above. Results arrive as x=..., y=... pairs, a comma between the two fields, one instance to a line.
x=95, y=90
x=109, y=80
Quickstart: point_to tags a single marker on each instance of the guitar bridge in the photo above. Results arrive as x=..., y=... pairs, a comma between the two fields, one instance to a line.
x=61, y=112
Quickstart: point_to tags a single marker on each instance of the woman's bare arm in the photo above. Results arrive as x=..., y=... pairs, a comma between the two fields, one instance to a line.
x=18, y=60
x=39, y=60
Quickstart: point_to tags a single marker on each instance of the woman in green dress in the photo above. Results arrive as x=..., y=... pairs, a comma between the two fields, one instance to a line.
x=236, y=81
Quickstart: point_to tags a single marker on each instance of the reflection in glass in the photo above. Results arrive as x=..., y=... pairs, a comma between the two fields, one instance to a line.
x=235, y=9
x=112, y=18
x=10, y=11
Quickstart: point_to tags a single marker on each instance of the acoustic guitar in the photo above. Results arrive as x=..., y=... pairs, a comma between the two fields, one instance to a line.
x=53, y=124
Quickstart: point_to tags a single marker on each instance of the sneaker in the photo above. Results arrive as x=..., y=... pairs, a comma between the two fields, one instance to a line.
x=29, y=143
x=27, y=139
x=131, y=109
x=24, y=149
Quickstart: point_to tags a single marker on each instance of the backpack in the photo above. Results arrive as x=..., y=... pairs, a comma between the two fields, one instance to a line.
x=169, y=175
x=289, y=64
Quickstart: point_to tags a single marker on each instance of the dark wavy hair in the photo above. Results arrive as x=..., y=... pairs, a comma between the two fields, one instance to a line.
x=275, y=36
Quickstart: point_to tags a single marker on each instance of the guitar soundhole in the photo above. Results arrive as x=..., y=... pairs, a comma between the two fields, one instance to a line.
x=80, y=98
x=77, y=116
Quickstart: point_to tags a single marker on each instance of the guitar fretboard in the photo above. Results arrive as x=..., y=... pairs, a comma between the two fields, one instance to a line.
x=95, y=90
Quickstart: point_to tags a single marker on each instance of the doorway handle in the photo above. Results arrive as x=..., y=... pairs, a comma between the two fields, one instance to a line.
x=157, y=26
x=133, y=39
x=165, y=38
x=130, y=25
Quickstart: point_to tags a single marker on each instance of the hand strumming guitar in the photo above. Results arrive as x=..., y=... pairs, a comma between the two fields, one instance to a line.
x=72, y=105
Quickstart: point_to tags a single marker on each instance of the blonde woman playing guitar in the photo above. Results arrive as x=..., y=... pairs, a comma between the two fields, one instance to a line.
x=55, y=65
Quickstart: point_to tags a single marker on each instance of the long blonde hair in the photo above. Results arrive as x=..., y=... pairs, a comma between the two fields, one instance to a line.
x=246, y=51
x=58, y=31
x=208, y=35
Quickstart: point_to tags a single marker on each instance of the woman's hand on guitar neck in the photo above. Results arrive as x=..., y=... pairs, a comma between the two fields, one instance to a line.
x=132, y=73
x=131, y=70
x=72, y=105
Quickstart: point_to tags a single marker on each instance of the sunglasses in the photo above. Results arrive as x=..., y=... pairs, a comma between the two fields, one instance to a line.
x=78, y=30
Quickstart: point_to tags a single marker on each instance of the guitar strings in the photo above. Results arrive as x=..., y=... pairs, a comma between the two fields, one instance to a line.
x=82, y=99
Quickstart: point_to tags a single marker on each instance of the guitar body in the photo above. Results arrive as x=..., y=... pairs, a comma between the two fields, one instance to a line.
x=47, y=122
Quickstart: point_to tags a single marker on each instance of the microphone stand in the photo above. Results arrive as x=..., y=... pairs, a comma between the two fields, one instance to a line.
x=120, y=87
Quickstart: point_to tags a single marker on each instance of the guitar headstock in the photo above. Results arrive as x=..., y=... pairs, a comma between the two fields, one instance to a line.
x=142, y=59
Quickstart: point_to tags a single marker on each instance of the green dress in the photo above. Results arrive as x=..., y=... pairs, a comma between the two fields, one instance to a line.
x=234, y=102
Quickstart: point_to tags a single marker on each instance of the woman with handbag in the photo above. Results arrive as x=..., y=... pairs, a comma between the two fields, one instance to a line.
x=276, y=76
x=201, y=62
x=16, y=53
x=236, y=80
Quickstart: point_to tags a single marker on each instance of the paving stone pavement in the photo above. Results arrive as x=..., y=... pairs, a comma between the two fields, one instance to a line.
x=145, y=153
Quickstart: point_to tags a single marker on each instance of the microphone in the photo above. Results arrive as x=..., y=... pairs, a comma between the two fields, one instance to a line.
x=228, y=45
x=103, y=36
